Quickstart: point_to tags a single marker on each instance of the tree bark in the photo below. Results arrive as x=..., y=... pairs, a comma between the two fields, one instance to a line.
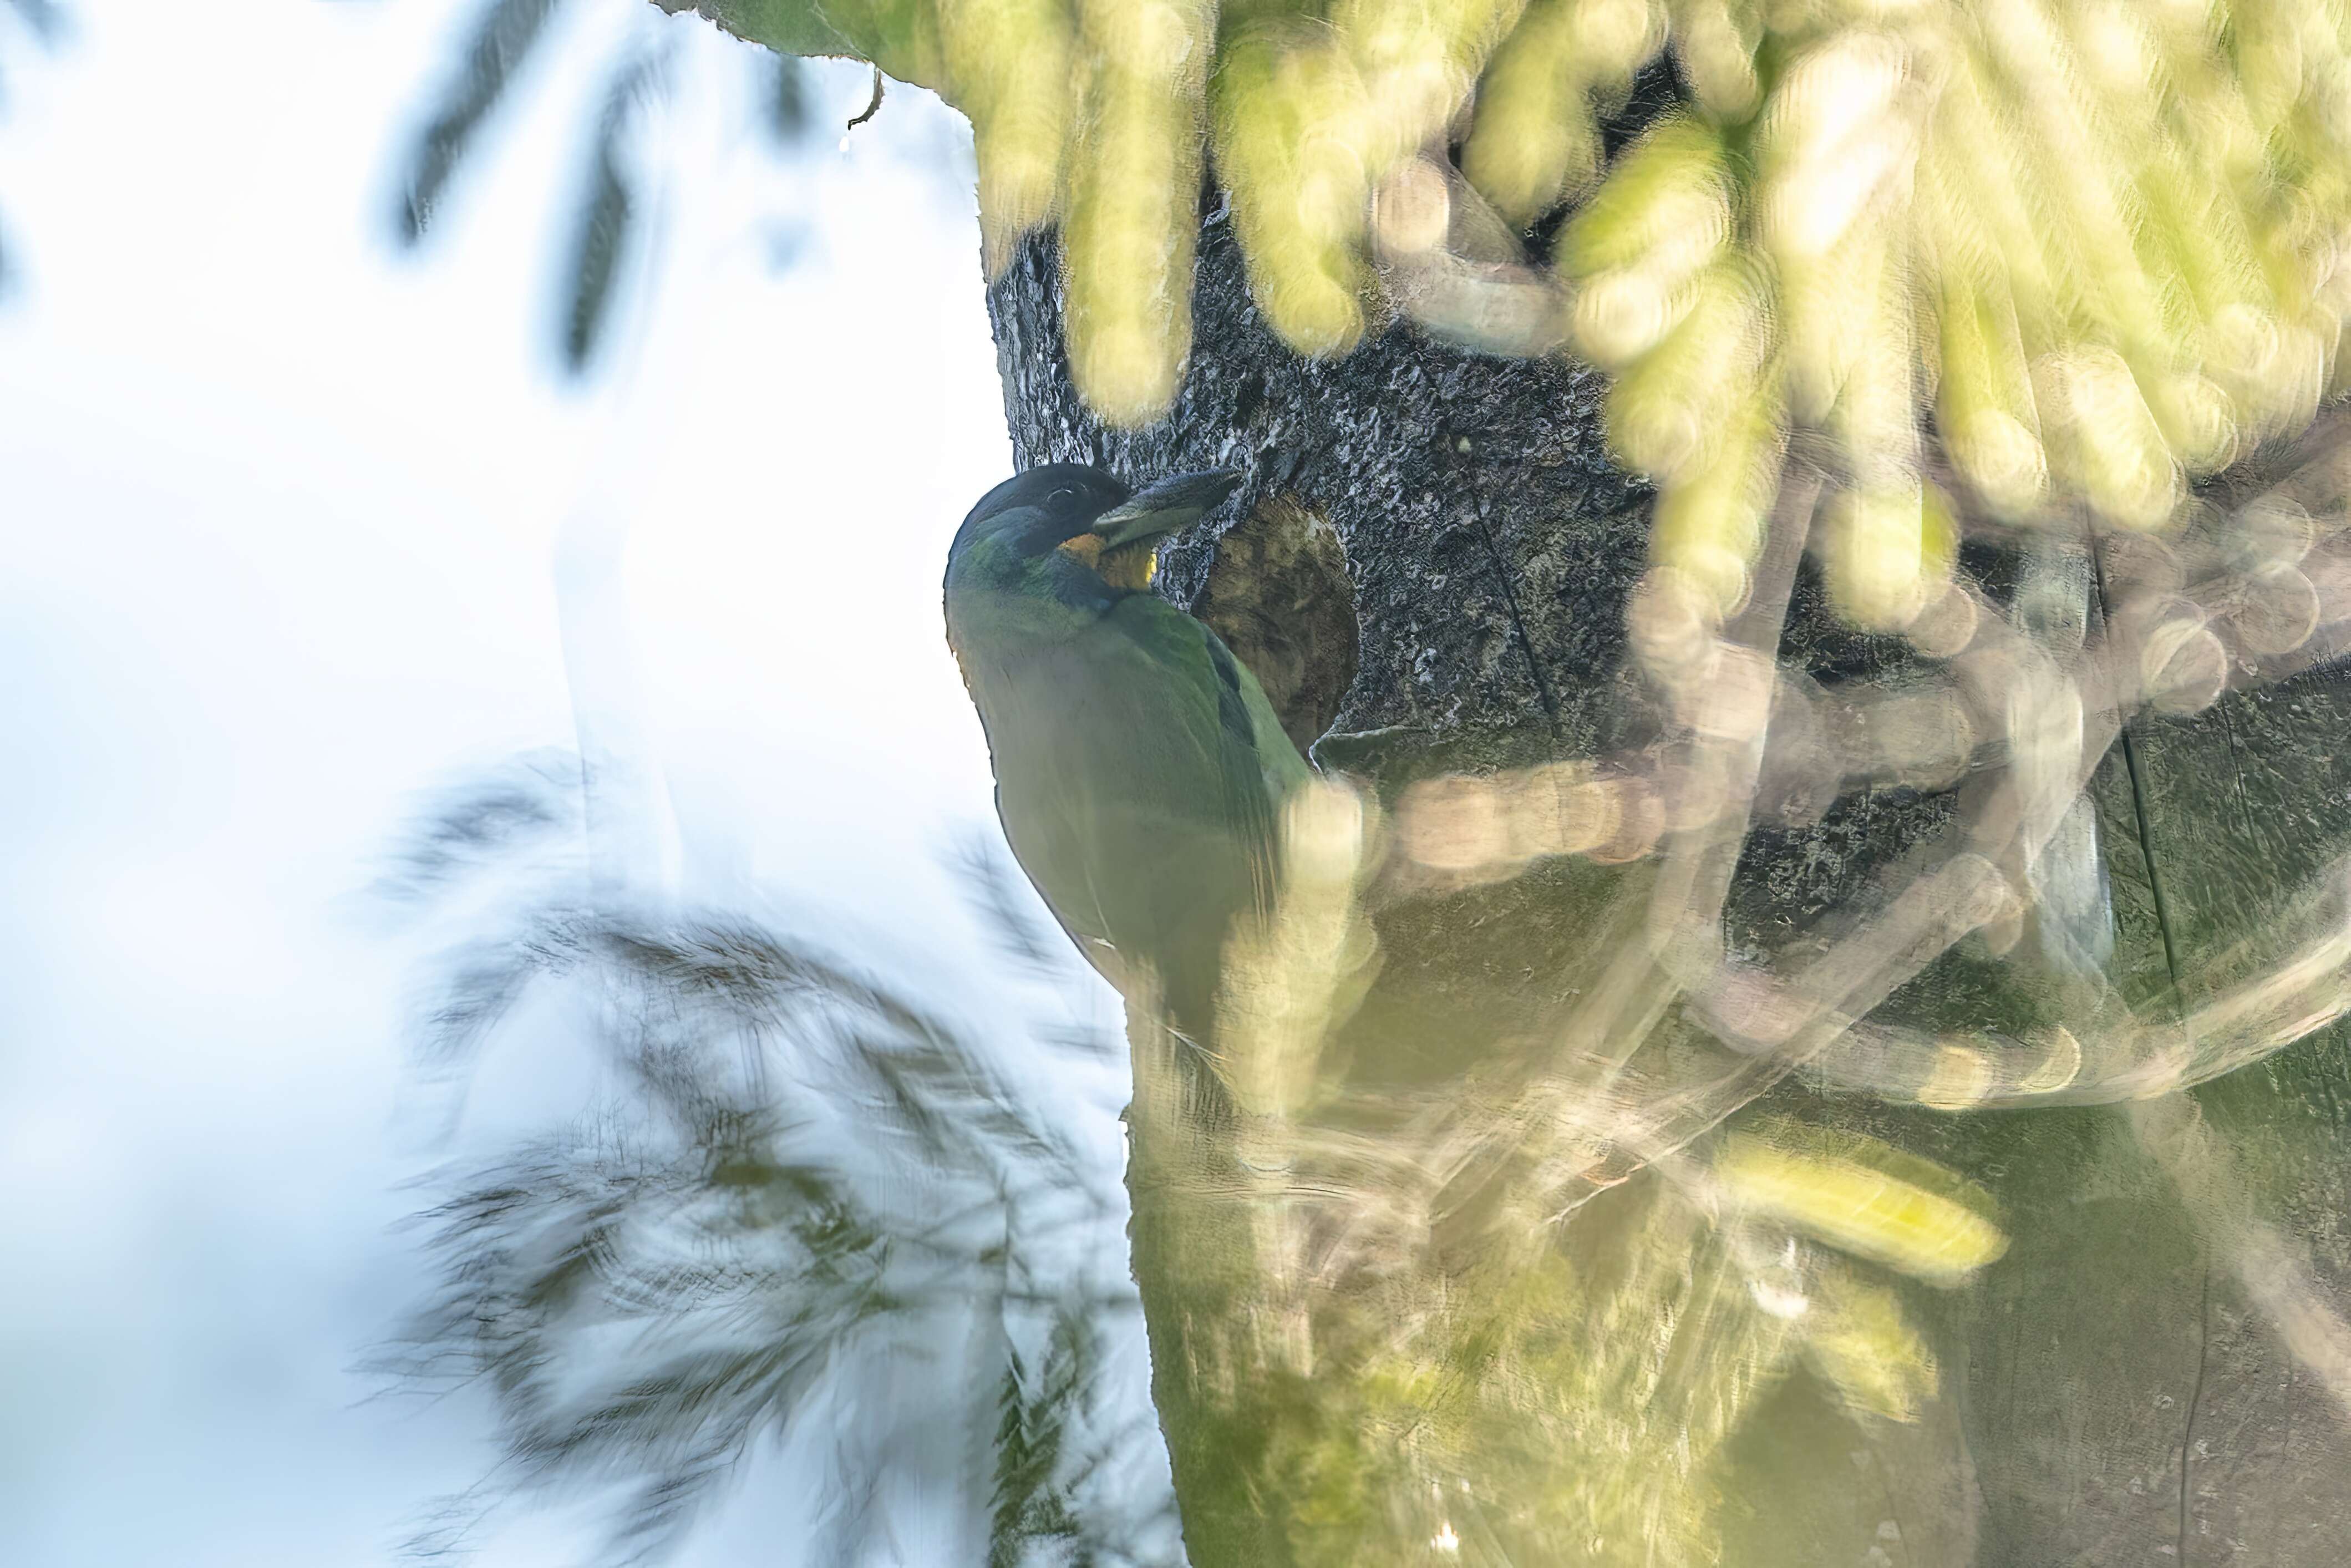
x=2109, y=1393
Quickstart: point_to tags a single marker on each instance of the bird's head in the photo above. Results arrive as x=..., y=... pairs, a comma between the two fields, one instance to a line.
x=1049, y=550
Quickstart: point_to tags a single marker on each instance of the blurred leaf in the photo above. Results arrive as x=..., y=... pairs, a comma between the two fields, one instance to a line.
x=502, y=42
x=1031, y=1502
x=785, y=99
x=609, y=210
x=43, y=18
x=603, y=223
x=45, y=21
x=994, y=889
x=465, y=830
x=611, y=204
x=806, y=1167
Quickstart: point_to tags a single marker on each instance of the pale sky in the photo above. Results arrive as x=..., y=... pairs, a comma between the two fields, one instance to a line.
x=279, y=517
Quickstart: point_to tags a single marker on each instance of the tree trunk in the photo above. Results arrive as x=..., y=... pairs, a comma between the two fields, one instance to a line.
x=2108, y=1392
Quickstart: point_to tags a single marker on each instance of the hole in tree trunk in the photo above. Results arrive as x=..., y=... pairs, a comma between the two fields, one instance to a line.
x=1279, y=594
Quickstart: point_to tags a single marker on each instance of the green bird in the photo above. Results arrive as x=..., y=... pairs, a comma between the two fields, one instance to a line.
x=1140, y=770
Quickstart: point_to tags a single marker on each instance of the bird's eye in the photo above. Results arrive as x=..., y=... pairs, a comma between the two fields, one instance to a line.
x=1061, y=495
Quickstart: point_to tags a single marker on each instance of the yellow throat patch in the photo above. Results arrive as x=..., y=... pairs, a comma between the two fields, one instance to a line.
x=1129, y=568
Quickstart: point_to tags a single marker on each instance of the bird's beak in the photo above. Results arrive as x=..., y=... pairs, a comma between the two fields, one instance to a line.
x=1175, y=502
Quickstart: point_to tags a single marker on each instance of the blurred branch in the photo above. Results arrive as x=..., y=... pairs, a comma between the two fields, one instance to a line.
x=872, y=105
x=808, y=1173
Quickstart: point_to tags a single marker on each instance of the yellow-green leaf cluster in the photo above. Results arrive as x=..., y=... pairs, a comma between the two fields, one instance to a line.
x=1861, y=1197
x=1536, y=139
x=1133, y=201
x=2010, y=255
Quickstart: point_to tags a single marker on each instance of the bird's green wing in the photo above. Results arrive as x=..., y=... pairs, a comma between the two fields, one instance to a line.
x=1255, y=765
x=1140, y=771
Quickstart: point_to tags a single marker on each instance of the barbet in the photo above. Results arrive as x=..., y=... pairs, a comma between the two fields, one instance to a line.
x=1140, y=770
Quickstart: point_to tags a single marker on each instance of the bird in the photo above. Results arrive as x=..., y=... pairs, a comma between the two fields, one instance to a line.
x=1141, y=773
